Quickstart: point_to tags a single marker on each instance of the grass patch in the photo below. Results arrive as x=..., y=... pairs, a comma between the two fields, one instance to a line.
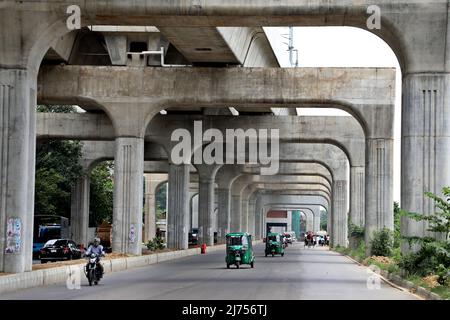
x=390, y=264
x=442, y=291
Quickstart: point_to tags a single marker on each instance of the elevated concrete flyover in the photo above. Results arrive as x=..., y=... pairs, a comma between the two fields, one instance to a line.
x=307, y=129
x=406, y=27
x=344, y=132
x=367, y=94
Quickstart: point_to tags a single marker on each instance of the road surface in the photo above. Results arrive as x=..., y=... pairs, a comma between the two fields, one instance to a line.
x=313, y=274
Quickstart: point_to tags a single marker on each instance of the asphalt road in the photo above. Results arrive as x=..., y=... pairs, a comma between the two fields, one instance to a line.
x=314, y=273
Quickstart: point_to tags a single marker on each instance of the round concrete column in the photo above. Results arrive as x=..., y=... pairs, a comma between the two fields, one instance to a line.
x=379, y=186
x=244, y=214
x=235, y=214
x=17, y=166
x=206, y=210
x=79, y=215
x=339, y=221
x=152, y=182
x=178, y=213
x=128, y=195
x=224, y=195
x=425, y=145
x=357, y=195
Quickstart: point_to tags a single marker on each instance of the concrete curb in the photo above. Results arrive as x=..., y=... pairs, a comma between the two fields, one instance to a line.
x=398, y=282
x=45, y=277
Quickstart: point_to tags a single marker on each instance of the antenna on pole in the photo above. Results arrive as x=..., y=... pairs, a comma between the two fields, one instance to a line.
x=291, y=48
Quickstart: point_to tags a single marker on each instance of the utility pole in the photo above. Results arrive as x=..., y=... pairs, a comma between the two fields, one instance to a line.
x=291, y=48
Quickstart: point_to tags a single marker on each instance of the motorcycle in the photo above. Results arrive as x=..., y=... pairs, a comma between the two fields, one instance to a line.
x=91, y=270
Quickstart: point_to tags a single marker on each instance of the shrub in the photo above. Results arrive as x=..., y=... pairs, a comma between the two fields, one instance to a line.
x=427, y=260
x=360, y=252
x=382, y=243
x=443, y=274
x=355, y=231
x=155, y=244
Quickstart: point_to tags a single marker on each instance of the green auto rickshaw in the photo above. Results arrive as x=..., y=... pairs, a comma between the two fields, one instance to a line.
x=239, y=249
x=274, y=244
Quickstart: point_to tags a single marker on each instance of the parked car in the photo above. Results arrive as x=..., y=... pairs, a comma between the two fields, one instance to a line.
x=59, y=249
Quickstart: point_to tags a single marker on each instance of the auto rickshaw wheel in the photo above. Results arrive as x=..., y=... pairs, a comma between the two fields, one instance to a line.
x=266, y=255
x=273, y=254
x=228, y=266
x=252, y=264
x=237, y=265
x=282, y=254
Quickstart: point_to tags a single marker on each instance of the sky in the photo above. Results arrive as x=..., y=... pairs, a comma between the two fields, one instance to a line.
x=341, y=47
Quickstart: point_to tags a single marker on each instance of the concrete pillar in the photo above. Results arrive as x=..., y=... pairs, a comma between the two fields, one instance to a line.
x=258, y=218
x=357, y=195
x=206, y=211
x=235, y=214
x=252, y=216
x=316, y=212
x=17, y=166
x=309, y=220
x=379, y=187
x=128, y=195
x=244, y=214
x=193, y=206
x=329, y=223
x=339, y=221
x=152, y=182
x=224, y=196
x=79, y=211
x=149, y=212
x=178, y=213
x=425, y=145
x=289, y=220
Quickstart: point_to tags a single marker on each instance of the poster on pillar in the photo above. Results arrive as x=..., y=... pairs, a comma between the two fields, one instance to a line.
x=13, y=235
x=132, y=236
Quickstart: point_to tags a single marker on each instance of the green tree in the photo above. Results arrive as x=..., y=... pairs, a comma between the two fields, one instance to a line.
x=57, y=170
x=382, y=243
x=101, y=196
x=397, y=233
x=434, y=252
x=161, y=201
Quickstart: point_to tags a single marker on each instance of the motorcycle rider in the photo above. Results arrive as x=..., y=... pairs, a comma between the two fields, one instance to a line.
x=97, y=249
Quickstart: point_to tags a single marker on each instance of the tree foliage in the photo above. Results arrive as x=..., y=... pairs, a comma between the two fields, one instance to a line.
x=102, y=191
x=397, y=233
x=57, y=170
x=161, y=201
x=382, y=243
x=434, y=252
